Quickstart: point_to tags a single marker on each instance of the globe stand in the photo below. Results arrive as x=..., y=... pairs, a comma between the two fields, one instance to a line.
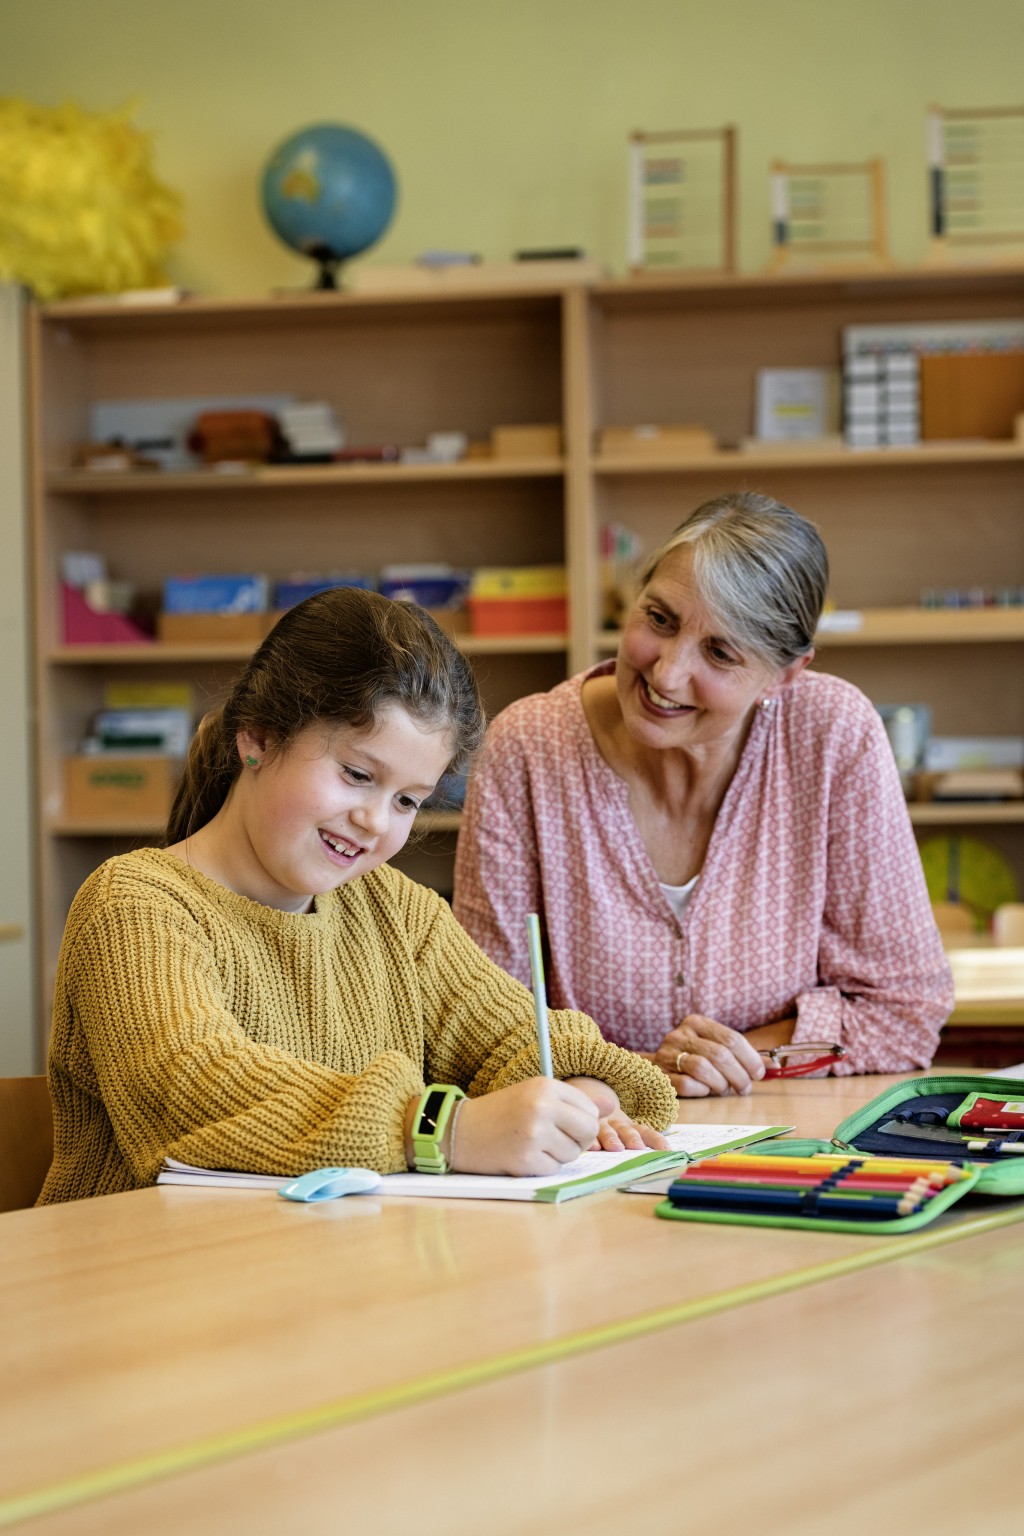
x=327, y=278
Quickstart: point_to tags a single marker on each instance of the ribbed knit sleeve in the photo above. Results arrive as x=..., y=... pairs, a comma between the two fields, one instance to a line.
x=481, y=1027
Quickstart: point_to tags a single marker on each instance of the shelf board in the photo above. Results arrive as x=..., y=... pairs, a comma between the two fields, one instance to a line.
x=642, y=291
x=156, y=654
x=680, y=290
x=922, y=814
x=61, y=826
x=729, y=461
x=277, y=477
x=902, y=626
x=438, y=821
x=940, y=813
x=303, y=306
x=928, y=626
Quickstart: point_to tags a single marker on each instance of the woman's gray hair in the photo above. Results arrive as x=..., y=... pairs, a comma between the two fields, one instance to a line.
x=759, y=568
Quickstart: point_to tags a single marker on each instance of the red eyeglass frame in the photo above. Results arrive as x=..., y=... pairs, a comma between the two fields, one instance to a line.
x=829, y=1054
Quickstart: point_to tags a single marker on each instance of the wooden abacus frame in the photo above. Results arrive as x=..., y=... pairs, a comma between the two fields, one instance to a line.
x=872, y=251
x=941, y=236
x=639, y=143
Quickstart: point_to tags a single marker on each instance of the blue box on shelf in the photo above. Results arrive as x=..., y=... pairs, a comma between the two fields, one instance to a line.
x=215, y=594
x=288, y=593
x=431, y=586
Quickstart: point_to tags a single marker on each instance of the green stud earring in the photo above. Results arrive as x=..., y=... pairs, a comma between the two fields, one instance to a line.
x=252, y=762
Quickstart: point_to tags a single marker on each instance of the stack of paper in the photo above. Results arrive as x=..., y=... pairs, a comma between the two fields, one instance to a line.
x=586, y=1175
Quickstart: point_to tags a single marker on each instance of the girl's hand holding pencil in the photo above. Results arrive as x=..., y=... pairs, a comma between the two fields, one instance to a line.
x=528, y=1129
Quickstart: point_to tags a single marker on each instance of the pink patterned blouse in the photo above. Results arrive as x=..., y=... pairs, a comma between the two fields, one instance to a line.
x=811, y=900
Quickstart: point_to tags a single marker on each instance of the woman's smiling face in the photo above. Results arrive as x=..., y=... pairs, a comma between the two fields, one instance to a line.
x=680, y=681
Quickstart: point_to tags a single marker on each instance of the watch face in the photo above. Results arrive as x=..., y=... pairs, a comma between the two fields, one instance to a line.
x=431, y=1110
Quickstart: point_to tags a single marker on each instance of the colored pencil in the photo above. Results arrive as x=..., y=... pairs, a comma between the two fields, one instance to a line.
x=802, y=1181
x=766, y=1202
x=953, y=1170
x=540, y=997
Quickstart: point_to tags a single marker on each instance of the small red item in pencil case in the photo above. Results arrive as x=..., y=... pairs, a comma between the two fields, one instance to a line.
x=993, y=1114
x=822, y=1054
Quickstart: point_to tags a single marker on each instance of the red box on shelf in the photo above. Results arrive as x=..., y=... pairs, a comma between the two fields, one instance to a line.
x=88, y=626
x=518, y=615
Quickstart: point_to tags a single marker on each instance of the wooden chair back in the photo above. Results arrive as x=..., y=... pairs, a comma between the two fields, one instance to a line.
x=26, y=1140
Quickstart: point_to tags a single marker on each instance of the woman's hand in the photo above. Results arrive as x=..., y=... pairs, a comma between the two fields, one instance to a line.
x=616, y=1132
x=528, y=1129
x=703, y=1057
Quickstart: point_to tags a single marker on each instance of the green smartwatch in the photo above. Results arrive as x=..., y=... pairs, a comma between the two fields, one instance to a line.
x=430, y=1122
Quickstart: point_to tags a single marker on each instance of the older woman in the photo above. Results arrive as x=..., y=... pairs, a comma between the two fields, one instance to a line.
x=716, y=839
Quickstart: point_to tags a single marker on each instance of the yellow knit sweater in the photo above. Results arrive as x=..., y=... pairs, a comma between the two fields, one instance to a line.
x=193, y=1023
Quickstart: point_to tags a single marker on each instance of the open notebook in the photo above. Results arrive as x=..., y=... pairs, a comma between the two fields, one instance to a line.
x=585, y=1175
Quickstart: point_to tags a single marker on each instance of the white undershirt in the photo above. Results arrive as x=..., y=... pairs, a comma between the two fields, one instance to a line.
x=678, y=896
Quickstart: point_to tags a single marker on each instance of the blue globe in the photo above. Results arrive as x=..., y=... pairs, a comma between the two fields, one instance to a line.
x=329, y=192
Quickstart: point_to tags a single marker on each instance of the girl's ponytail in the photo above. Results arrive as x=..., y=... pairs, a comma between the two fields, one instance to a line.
x=211, y=767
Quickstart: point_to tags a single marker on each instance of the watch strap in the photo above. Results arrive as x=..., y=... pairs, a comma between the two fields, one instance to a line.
x=430, y=1123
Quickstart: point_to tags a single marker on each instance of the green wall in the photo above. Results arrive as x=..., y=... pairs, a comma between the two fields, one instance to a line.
x=507, y=122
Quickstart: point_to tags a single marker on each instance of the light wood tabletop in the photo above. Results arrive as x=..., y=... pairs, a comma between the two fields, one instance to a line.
x=881, y=1401
x=189, y=1325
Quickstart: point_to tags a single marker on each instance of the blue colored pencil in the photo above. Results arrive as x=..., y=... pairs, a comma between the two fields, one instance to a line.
x=540, y=996
x=767, y=1201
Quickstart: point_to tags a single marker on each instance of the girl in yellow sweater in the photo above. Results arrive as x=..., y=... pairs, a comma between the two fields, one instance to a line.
x=266, y=993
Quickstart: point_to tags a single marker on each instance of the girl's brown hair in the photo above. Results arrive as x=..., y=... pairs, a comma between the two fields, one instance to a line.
x=337, y=658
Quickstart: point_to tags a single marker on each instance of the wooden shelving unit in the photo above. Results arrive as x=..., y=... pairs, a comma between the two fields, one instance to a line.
x=617, y=353
x=394, y=370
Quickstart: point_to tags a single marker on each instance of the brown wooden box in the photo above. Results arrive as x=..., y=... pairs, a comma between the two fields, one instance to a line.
x=655, y=442
x=211, y=628
x=535, y=442
x=971, y=394
x=116, y=788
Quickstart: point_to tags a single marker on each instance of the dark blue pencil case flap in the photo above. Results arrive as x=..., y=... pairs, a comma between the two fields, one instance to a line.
x=930, y=1099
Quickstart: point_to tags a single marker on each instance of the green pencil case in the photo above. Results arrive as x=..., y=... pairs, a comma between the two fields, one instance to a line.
x=931, y=1098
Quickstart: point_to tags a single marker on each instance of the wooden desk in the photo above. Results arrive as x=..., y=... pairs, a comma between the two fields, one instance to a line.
x=182, y=1323
x=882, y=1401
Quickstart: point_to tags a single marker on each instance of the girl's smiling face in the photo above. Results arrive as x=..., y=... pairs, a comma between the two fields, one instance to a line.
x=334, y=804
x=680, y=681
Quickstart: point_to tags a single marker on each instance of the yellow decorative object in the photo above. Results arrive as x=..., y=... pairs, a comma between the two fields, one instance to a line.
x=81, y=210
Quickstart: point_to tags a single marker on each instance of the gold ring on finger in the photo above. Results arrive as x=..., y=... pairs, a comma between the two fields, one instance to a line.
x=679, y=1059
